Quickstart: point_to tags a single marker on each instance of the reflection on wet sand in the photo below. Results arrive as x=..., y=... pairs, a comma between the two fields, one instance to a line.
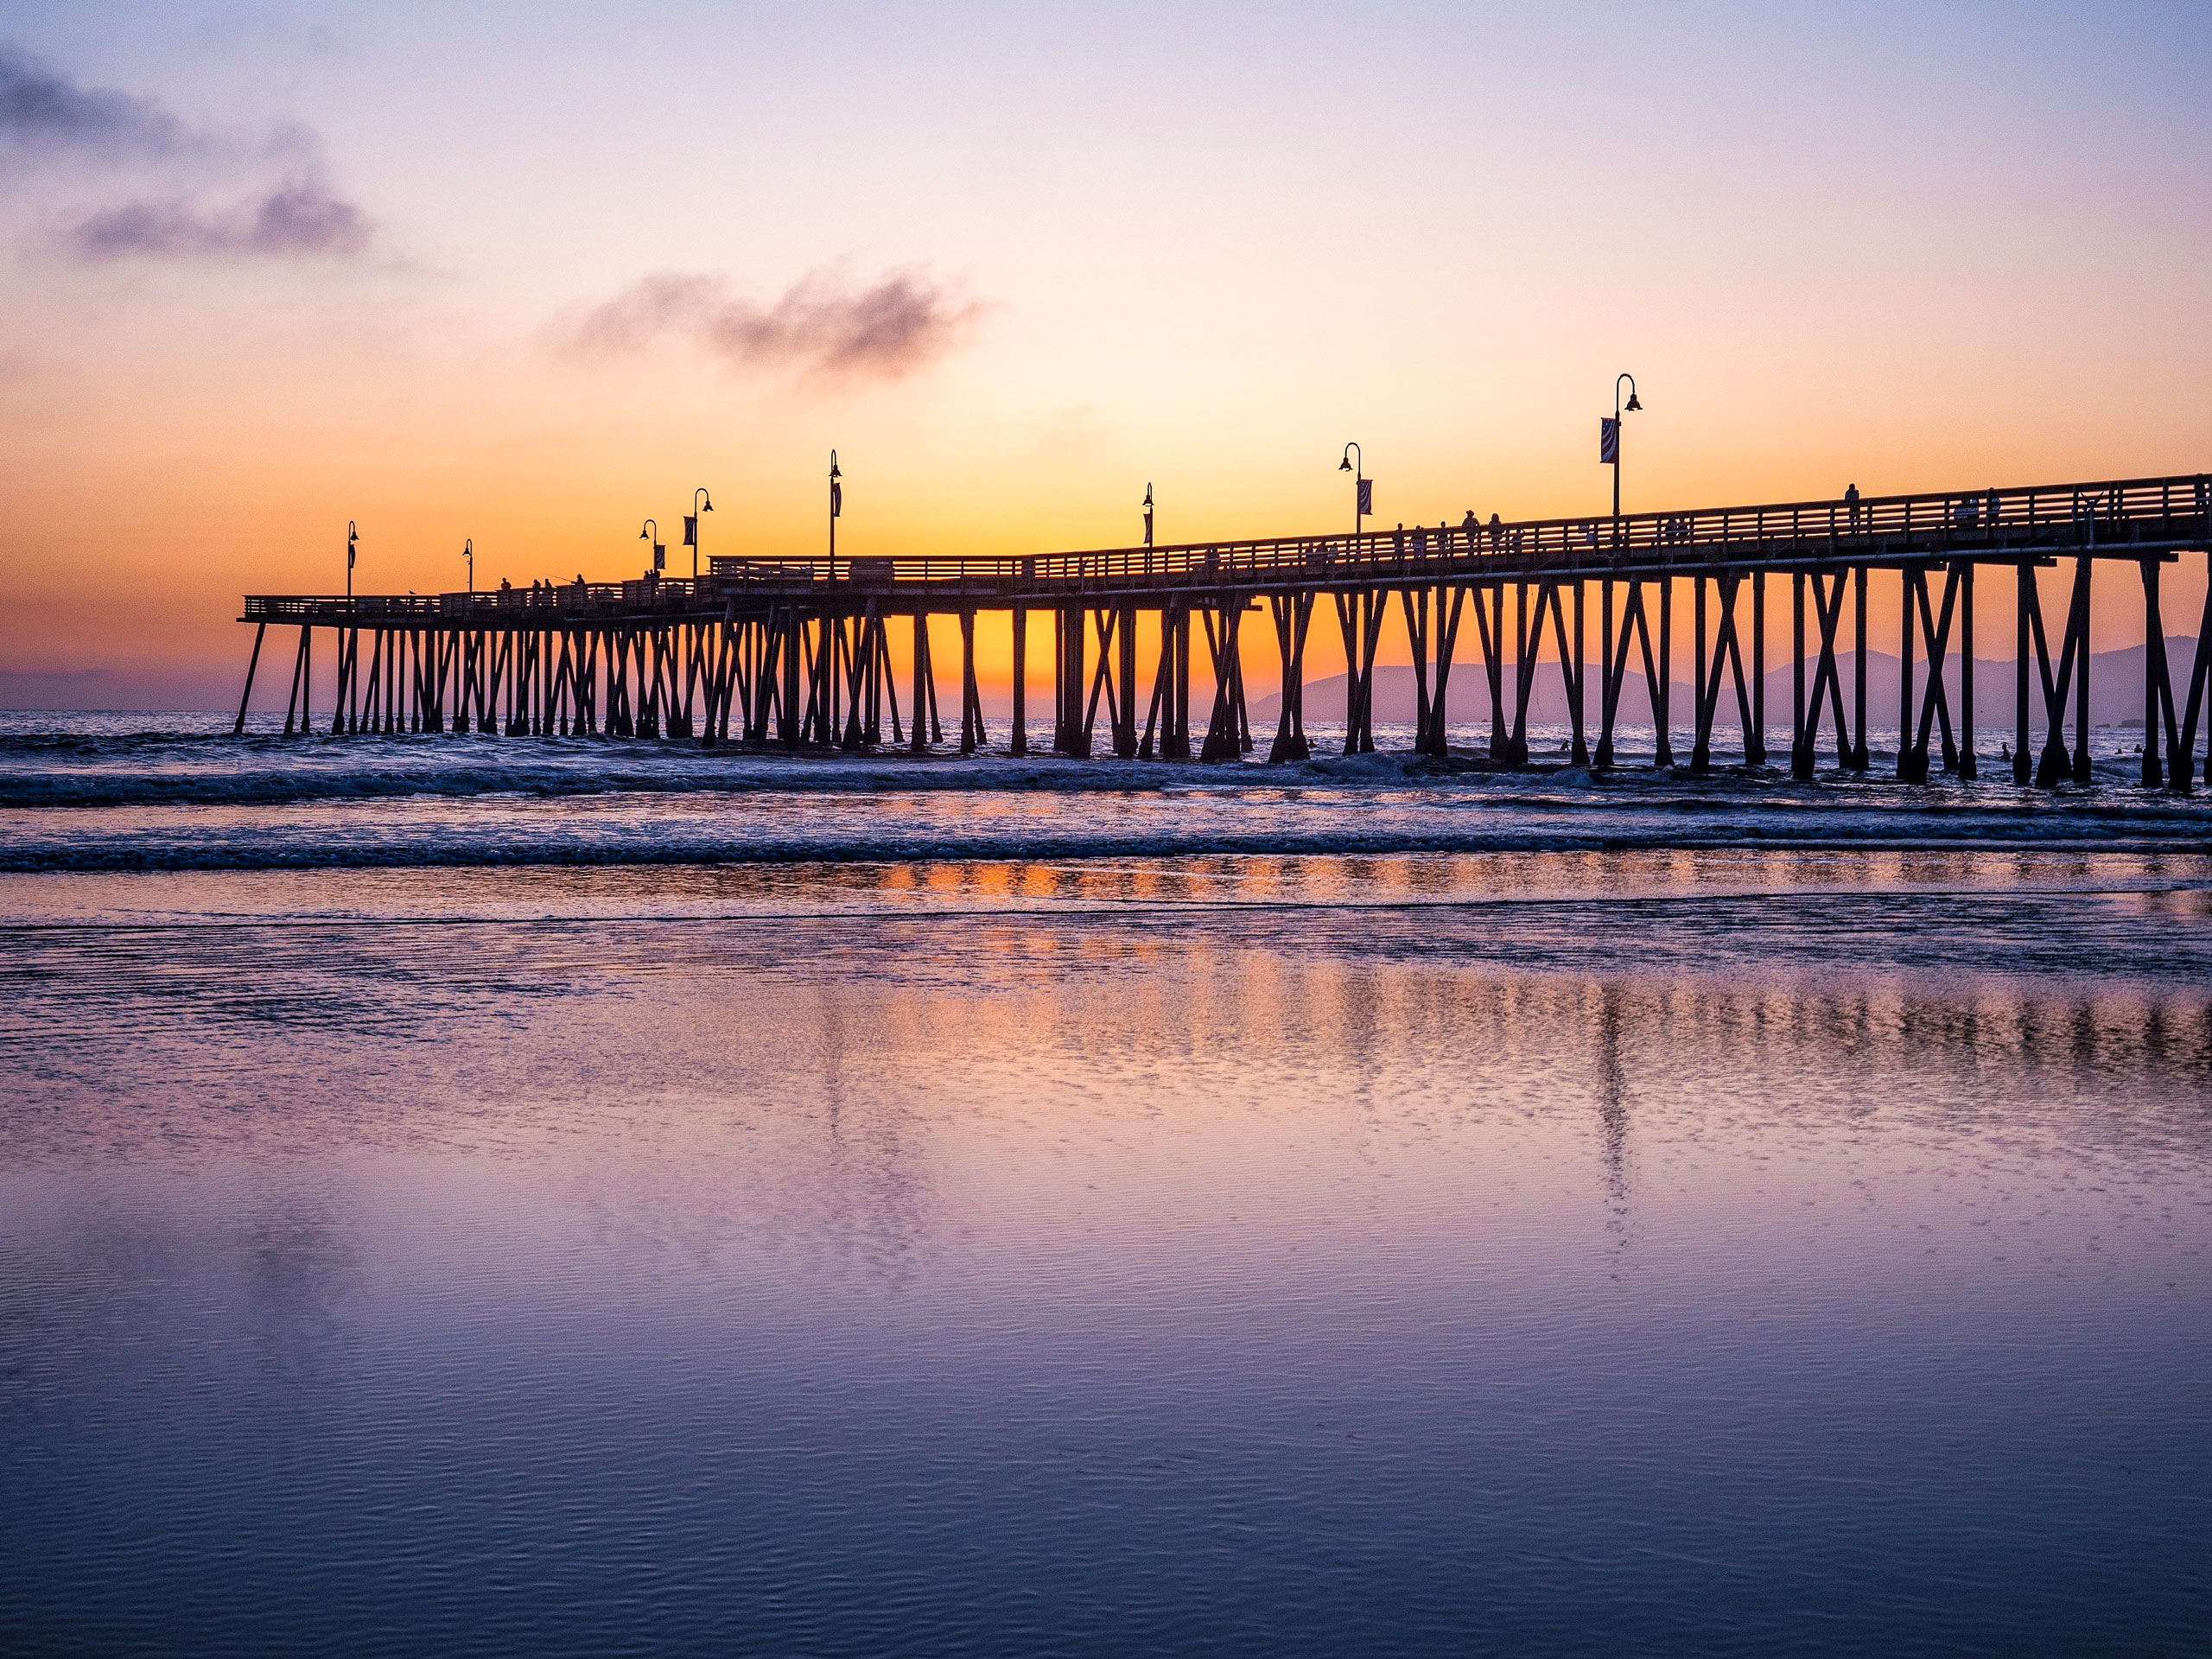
x=1657, y=1251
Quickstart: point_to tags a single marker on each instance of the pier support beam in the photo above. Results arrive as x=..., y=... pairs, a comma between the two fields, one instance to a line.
x=924, y=690
x=1490, y=627
x=1916, y=721
x=1608, y=683
x=1525, y=641
x=1860, y=762
x=1967, y=769
x=1228, y=731
x=2200, y=682
x=1414, y=601
x=1175, y=741
x=1125, y=711
x=1579, y=753
x=2084, y=570
x=2158, y=719
x=1072, y=730
x=2071, y=675
x=1755, y=738
x=1017, y=735
x=1291, y=613
x=972, y=734
x=301, y=676
x=1167, y=716
x=1728, y=653
x=246, y=697
x=1447, y=641
x=1801, y=765
x=2024, y=576
x=1612, y=674
x=1359, y=619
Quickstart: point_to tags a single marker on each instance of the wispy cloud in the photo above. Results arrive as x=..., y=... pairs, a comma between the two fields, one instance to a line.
x=299, y=219
x=41, y=109
x=821, y=326
x=297, y=216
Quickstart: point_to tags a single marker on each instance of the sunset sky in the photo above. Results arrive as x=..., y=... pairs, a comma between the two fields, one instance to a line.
x=528, y=274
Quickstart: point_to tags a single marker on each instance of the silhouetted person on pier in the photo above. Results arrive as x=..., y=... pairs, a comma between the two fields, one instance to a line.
x=1851, y=502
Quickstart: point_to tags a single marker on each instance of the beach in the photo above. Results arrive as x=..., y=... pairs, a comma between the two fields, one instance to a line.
x=1690, y=1216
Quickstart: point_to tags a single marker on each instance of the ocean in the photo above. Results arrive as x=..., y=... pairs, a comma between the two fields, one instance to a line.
x=487, y=1195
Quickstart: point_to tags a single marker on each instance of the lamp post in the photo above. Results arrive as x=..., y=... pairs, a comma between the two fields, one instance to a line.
x=468, y=552
x=1147, y=515
x=836, y=508
x=1362, y=487
x=660, y=553
x=1609, y=433
x=691, y=525
x=352, y=537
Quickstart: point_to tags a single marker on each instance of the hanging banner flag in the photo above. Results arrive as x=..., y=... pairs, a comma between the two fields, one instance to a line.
x=1609, y=440
x=690, y=530
x=660, y=556
x=1366, y=495
x=837, y=499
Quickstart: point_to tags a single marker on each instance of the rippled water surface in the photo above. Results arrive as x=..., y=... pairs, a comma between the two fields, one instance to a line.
x=1096, y=1241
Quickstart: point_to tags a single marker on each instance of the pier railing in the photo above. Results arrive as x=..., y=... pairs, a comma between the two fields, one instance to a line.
x=2112, y=517
x=2130, y=517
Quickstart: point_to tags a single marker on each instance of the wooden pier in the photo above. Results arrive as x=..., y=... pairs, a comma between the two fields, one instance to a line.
x=797, y=654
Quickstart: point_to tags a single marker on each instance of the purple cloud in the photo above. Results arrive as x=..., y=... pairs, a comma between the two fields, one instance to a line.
x=300, y=219
x=819, y=325
x=43, y=112
x=41, y=109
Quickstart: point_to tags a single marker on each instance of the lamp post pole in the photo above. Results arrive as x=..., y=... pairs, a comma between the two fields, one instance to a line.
x=1611, y=448
x=352, y=538
x=1147, y=515
x=468, y=552
x=650, y=530
x=837, y=507
x=1355, y=462
x=701, y=502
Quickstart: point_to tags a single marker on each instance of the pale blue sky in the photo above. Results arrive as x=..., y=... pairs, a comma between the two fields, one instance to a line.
x=1904, y=246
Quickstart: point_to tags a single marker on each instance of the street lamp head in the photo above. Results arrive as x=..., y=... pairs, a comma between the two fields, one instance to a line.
x=834, y=472
x=1632, y=403
x=1344, y=465
x=706, y=501
x=646, y=534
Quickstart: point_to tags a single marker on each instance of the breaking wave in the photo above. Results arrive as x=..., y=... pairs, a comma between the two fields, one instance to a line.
x=134, y=799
